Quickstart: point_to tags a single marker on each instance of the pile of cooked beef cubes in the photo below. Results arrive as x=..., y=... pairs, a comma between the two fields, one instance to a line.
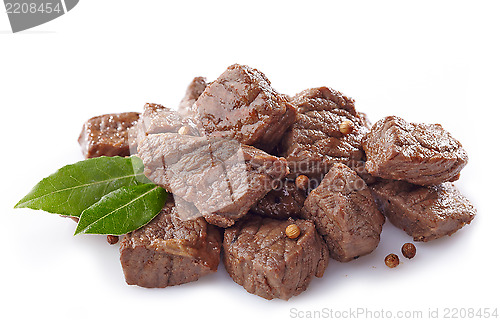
x=243, y=163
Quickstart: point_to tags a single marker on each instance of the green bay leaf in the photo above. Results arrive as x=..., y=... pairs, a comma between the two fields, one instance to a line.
x=75, y=187
x=123, y=210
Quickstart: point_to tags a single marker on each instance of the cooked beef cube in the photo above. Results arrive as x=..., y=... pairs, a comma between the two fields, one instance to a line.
x=222, y=177
x=323, y=99
x=107, y=135
x=423, y=154
x=425, y=213
x=241, y=104
x=170, y=251
x=193, y=91
x=315, y=142
x=260, y=257
x=157, y=118
x=345, y=214
x=283, y=201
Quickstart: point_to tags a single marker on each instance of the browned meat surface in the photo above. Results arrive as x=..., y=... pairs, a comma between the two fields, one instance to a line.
x=423, y=154
x=242, y=105
x=222, y=177
x=291, y=181
x=425, y=213
x=193, y=91
x=345, y=214
x=315, y=141
x=169, y=251
x=259, y=256
x=157, y=118
x=283, y=201
x=107, y=135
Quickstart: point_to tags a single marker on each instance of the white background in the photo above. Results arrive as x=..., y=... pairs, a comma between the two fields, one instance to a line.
x=427, y=61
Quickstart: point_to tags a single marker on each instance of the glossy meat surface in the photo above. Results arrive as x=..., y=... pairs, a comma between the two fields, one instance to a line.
x=107, y=135
x=259, y=256
x=222, y=177
x=155, y=119
x=423, y=154
x=345, y=214
x=170, y=251
x=242, y=105
x=425, y=213
x=315, y=142
x=283, y=201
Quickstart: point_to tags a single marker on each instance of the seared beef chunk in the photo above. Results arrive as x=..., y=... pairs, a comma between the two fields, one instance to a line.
x=106, y=135
x=157, y=118
x=259, y=256
x=194, y=90
x=222, y=177
x=323, y=99
x=423, y=154
x=283, y=201
x=169, y=251
x=242, y=105
x=345, y=214
x=425, y=213
x=315, y=142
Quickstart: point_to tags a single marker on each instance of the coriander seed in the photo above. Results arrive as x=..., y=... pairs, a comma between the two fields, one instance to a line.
x=302, y=182
x=185, y=130
x=292, y=231
x=346, y=127
x=409, y=250
x=392, y=260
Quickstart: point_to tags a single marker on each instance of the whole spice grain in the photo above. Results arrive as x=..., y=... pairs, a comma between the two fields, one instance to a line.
x=409, y=250
x=185, y=130
x=292, y=231
x=392, y=260
x=346, y=127
x=302, y=182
